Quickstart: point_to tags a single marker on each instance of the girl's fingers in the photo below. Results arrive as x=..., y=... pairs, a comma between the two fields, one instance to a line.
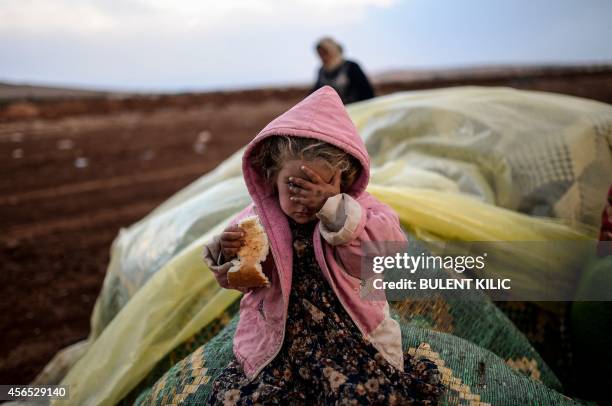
x=232, y=244
x=337, y=178
x=299, y=199
x=229, y=255
x=232, y=235
x=228, y=252
x=298, y=191
x=303, y=183
x=314, y=177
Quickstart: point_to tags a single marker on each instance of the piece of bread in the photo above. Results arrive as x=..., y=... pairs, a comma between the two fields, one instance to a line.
x=246, y=269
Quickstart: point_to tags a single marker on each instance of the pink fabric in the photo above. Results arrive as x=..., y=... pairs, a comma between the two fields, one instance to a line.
x=263, y=311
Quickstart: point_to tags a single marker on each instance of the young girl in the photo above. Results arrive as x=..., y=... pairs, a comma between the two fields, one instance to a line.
x=309, y=338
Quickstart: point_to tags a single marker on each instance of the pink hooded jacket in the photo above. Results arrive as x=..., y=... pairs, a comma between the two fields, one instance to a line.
x=346, y=220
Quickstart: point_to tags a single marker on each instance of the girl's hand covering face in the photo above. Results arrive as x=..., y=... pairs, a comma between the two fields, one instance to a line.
x=312, y=191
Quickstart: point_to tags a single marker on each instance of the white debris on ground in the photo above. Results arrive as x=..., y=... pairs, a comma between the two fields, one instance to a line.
x=200, y=144
x=81, y=162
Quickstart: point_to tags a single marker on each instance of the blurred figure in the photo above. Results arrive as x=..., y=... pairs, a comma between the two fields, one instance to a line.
x=605, y=248
x=345, y=76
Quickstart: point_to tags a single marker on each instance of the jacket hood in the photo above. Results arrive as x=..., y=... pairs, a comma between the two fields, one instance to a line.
x=322, y=116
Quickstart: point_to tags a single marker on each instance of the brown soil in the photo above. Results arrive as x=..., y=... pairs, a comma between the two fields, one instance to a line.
x=58, y=220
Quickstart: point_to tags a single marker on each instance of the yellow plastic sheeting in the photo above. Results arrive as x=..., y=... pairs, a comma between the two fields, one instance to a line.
x=444, y=220
x=144, y=248
x=174, y=305
x=538, y=153
x=432, y=214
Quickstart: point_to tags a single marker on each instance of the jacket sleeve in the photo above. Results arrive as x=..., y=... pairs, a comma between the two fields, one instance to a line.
x=360, y=82
x=346, y=224
x=317, y=84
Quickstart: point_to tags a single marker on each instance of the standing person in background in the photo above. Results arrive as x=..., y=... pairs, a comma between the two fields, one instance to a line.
x=345, y=76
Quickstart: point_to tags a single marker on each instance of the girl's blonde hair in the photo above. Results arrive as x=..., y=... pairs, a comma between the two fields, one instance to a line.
x=272, y=152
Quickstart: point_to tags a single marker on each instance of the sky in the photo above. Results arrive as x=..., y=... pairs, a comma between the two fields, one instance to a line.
x=187, y=45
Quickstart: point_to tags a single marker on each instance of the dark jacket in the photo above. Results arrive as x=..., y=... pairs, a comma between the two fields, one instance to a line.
x=348, y=80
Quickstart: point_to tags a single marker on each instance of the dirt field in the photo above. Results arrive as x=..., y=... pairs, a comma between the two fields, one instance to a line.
x=74, y=172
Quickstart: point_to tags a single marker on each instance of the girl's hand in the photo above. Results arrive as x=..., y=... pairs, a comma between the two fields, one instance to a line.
x=313, y=191
x=231, y=241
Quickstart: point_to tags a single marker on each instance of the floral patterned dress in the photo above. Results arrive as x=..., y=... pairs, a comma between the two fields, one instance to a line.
x=324, y=358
